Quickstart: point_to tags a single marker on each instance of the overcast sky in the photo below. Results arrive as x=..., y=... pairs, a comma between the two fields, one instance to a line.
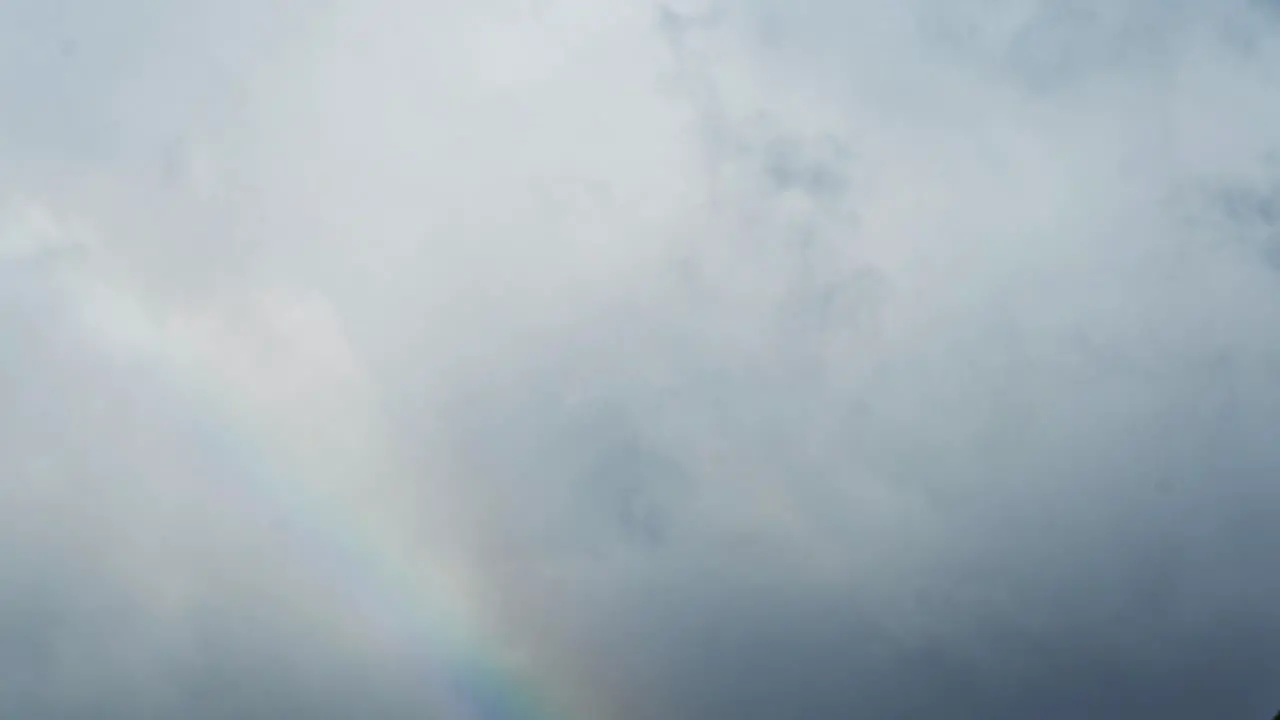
x=706, y=360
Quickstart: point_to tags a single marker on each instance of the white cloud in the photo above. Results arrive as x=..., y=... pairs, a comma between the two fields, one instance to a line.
x=717, y=352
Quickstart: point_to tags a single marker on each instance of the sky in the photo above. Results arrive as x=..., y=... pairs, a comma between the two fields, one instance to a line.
x=691, y=360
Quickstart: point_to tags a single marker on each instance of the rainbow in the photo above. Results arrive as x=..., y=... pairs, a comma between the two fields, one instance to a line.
x=356, y=552
x=355, y=555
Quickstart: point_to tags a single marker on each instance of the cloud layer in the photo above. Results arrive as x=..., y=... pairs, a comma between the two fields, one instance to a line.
x=705, y=360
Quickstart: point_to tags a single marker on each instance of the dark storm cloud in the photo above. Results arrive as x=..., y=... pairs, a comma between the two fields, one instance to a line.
x=763, y=360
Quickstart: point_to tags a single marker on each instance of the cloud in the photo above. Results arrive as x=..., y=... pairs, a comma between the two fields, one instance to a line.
x=694, y=359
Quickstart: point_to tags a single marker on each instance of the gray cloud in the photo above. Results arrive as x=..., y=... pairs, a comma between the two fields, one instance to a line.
x=754, y=360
